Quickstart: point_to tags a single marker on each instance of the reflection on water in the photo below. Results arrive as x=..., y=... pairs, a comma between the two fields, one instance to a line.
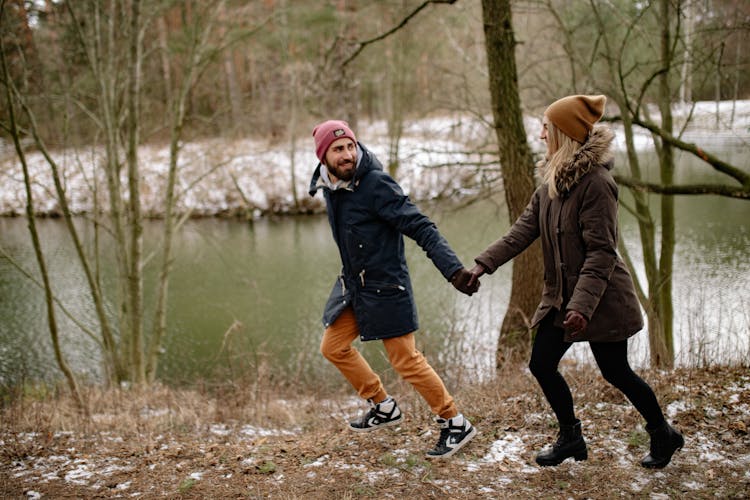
x=245, y=299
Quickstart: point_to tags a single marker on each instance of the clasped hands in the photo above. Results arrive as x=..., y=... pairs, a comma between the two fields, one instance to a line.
x=467, y=281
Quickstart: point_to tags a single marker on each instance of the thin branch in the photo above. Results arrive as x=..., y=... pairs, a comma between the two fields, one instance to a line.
x=639, y=291
x=718, y=164
x=94, y=287
x=409, y=17
x=740, y=192
x=57, y=301
x=634, y=212
x=200, y=178
x=484, y=165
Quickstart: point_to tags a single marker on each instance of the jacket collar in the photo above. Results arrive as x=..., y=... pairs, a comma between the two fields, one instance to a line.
x=595, y=151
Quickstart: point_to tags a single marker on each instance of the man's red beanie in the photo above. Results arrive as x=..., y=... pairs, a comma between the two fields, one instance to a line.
x=327, y=132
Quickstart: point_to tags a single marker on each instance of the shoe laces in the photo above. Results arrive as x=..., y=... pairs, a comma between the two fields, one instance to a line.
x=376, y=411
x=444, y=433
x=446, y=429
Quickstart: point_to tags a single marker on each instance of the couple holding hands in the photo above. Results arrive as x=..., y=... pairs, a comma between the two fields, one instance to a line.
x=588, y=293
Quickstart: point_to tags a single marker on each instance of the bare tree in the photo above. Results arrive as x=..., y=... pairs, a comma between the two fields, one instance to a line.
x=517, y=168
x=198, y=41
x=112, y=43
x=13, y=131
x=639, y=68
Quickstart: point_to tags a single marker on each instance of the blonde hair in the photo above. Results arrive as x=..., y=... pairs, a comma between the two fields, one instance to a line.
x=562, y=148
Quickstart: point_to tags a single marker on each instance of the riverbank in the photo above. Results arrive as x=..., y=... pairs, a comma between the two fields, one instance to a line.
x=439, y=157
x=253, y=442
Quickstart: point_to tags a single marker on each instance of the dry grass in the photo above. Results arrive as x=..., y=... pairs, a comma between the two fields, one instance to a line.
x=241, y=442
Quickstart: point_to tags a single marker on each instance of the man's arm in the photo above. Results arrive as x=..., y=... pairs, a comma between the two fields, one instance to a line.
x=393, y=206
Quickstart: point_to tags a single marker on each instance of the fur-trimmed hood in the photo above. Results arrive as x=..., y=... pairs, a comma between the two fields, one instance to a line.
x=596, y=150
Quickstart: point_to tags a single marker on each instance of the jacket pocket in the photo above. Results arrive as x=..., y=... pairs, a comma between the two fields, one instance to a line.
x=386, y=309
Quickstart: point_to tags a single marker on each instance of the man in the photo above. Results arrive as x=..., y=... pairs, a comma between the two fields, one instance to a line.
x=372, y=298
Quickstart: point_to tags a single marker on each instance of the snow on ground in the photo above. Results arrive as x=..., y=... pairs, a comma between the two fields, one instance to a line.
x=219, y=176
x=498, y=462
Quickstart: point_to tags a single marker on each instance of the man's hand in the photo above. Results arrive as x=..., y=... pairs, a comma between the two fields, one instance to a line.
x=461, y=281
x=575, y=323
x=476, y=272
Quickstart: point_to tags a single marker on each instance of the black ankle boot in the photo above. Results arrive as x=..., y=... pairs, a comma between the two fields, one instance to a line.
x=569, y=443
x=665, y=440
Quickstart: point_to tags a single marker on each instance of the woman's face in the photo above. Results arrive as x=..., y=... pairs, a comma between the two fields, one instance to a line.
x=546, y=137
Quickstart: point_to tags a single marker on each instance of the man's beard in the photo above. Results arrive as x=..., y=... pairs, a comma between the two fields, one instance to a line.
x=342, y=174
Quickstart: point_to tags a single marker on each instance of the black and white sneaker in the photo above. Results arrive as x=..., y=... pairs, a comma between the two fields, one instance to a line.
x=380, y=415
x=454, y=434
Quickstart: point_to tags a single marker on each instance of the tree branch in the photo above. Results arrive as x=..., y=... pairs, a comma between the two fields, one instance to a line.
x=409, y=17
x=691, y=189
x=718, y=164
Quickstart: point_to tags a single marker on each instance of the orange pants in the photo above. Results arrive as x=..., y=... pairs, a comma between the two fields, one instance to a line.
x=408, y=362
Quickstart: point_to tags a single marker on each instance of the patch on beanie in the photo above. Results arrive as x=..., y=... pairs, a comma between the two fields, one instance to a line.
x=338, y=132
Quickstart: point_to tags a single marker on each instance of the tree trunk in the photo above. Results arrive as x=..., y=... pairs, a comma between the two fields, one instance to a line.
x=658, y=300
x=135, y=218
x=230, y=74
x=662, y=352
x=394, y=100
x=517, y=167
x=294, y=102
x=686, y=70
x=164, y=56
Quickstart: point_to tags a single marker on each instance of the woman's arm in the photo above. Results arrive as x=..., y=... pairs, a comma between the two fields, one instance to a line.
x=522, y=234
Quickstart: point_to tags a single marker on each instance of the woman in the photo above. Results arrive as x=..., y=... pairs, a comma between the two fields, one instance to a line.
x=588, y=293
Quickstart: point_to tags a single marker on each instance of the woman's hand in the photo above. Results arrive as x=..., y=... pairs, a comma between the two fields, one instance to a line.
x=575, y=323
x=476, y=272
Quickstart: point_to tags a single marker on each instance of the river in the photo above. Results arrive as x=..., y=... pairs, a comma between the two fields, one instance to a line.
x=246, y=297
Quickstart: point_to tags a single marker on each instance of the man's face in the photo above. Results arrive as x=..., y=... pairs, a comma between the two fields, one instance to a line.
x=341, y=158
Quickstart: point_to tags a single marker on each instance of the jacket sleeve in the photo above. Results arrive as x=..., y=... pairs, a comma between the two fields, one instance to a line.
x=393, y=206
x=522, y=234
x=597, y=220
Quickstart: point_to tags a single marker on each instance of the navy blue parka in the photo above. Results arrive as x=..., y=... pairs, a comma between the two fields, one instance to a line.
x=368, y=220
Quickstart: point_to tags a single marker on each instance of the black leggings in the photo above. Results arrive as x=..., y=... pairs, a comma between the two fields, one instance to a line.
x=612, y=359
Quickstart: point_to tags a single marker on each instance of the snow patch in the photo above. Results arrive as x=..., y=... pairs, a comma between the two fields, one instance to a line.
x=79, y=475
x=508, y=450
x=676, y=407
x=319, y=462
x=252, y=431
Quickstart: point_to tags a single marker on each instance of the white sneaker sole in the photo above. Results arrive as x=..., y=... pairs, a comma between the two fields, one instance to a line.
x=376, y=427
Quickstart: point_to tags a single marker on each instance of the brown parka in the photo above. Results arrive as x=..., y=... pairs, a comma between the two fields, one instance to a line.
x=578, y=231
